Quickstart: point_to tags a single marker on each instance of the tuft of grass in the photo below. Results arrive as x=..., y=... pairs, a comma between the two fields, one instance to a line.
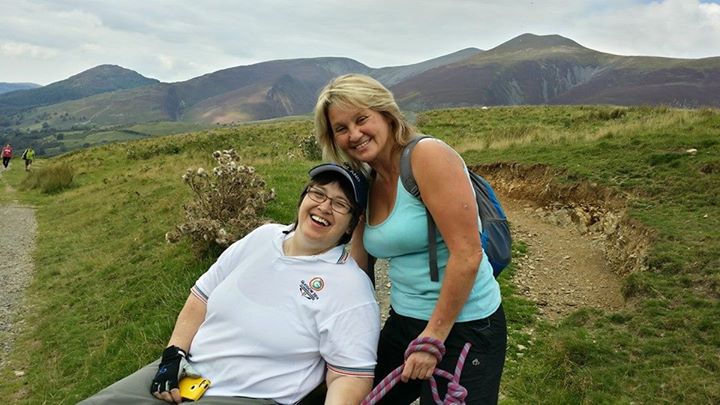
x=50, y=179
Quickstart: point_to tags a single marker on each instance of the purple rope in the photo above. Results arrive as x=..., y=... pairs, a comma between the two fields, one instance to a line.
x=456, y=393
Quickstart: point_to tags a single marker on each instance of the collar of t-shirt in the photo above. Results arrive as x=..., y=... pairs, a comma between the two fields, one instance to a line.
x=335, y=254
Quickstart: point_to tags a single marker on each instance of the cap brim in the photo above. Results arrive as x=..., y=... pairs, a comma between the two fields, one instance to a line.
x=359, y=199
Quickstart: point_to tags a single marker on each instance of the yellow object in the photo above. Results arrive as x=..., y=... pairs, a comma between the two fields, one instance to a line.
x=193, y=388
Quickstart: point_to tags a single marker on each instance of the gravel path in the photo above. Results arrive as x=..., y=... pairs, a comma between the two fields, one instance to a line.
x=17, y=241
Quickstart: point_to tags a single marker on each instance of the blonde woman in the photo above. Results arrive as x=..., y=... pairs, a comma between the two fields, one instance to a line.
x=358, y=121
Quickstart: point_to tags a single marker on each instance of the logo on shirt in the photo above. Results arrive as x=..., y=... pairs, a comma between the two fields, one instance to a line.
x=317, y=283
x=309, y=289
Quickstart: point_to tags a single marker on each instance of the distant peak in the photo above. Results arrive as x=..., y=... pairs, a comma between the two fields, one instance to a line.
x=532, y=41
x=106, y=68
x=109, y=73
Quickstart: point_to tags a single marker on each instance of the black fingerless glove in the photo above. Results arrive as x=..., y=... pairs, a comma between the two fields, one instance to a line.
x=171, y=368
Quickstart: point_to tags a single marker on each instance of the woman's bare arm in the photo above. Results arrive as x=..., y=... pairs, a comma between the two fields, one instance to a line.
x=346, y=390
x=188, y=322
x=448, y=195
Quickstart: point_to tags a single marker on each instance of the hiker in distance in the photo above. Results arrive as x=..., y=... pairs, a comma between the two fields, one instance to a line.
x=281, y=310
x=7, y=152
x=358, y=121
x=28, y=156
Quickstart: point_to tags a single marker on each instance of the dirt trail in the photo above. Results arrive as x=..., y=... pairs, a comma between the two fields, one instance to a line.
x=581, y=242
x=17, y=242
x=563, y=270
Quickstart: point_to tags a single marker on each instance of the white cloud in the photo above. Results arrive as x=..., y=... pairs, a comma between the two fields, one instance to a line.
x=15, y=50
x=48, y=40
x=671, y=28
x=711, y=14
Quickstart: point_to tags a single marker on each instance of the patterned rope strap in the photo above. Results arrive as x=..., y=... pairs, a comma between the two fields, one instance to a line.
x=456, y=393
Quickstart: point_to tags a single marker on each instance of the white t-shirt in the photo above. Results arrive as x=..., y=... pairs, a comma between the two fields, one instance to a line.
x=274, y=321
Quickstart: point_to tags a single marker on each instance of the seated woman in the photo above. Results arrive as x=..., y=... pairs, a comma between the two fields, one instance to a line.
x=281, y=310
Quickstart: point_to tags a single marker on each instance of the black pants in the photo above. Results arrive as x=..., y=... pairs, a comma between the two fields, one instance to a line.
x=6, y=161
x=483, y=366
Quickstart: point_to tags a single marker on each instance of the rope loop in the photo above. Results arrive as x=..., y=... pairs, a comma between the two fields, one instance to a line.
x=428, y=345
x=456, y=393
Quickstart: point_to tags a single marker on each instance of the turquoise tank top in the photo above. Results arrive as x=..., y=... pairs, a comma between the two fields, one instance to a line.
x=402, y=239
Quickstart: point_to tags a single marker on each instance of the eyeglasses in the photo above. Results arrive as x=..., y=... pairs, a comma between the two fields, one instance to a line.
x=339, y=205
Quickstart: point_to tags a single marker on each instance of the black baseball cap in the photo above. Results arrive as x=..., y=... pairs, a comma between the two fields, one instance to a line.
x=357, y=180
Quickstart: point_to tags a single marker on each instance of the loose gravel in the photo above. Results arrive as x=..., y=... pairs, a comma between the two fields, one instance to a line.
x=17, y=242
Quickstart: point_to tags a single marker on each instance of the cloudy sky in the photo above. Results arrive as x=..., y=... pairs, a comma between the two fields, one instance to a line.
x=43, y=41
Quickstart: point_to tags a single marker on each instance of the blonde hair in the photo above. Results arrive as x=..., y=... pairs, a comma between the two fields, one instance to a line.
x=357, y=91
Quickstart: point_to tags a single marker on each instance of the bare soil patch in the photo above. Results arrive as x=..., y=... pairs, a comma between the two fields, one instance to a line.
x=581, y=242
x=563, y=270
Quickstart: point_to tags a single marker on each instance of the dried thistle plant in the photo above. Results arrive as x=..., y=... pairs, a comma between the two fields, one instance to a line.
x=310, y=148
x=228, y=203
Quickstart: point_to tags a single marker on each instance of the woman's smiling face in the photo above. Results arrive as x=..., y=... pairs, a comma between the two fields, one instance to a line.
x=362, y=133
x=319, y=224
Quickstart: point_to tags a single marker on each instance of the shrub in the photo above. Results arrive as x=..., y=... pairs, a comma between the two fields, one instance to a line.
x=310, y=148
x=228, y=203
x=50, y=179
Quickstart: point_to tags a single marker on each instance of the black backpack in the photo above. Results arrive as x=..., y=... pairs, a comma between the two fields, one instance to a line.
x=495, y=235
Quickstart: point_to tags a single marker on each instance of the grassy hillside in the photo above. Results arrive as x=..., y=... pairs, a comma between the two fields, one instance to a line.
x=100, y=79
x=107, y=287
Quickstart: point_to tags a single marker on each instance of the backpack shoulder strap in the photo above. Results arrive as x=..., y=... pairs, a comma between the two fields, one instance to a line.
x=406, y=174
x=408, y=181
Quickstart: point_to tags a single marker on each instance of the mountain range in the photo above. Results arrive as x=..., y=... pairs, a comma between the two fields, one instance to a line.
x=528, y=69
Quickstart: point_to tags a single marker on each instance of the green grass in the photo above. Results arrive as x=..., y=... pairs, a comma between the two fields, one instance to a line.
x=107, y=287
